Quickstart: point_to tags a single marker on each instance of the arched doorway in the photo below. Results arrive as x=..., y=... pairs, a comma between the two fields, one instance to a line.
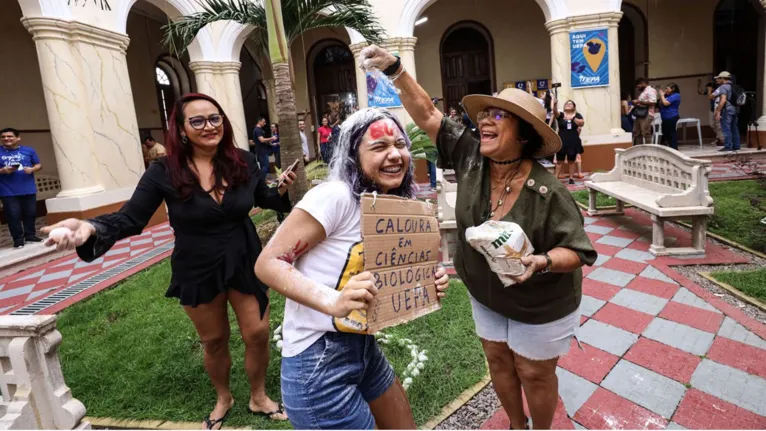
x=634, y=48
x=736, y=49
x=333, y=79
x=172, y=80
x=467, y=63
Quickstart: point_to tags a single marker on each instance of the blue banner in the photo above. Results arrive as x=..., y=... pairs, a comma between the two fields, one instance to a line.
x=589, y=51
x=381, y=92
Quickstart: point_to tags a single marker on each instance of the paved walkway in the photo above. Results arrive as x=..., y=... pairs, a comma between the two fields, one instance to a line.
x=659, y=351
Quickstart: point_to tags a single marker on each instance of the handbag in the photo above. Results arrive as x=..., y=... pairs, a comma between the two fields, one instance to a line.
x=641, y=111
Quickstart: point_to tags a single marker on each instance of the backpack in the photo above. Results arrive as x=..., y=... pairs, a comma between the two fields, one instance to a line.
x=738, y=96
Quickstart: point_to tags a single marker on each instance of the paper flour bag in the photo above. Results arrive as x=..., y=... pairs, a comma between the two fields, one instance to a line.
x=503, y=244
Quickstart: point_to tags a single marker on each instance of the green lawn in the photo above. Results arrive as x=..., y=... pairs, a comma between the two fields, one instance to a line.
x=751, y=283
x=129, y=352
x=739, y=207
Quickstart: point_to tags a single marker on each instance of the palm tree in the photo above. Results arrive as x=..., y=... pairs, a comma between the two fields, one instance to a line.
x=277, y=24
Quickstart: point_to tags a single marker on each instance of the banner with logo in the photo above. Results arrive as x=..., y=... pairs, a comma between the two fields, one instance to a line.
x=589, y=51
x=381, y=92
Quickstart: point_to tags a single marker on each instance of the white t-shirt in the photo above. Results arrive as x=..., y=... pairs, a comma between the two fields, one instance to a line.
x=332, y=263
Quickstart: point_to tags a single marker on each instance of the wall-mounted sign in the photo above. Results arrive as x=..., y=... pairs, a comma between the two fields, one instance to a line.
x=589, y=51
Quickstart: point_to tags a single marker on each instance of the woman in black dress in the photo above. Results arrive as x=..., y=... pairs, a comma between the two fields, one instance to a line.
x=570, y=124
x=210, y=186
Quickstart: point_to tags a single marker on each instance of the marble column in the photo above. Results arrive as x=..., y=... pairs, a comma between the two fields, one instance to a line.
x=68, y=112
x=220, y=80
x=762, y=119
x=361, y=76
x=601, y=105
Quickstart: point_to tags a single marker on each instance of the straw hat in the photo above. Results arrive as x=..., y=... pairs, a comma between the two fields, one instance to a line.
x=523, y=105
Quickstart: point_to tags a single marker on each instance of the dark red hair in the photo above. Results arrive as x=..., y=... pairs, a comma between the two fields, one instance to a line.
x=227, y=163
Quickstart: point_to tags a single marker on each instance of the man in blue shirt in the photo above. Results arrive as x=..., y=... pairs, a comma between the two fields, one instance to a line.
x=18, y=190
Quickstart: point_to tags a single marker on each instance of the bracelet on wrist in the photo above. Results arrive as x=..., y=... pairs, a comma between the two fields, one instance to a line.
x=392, y=69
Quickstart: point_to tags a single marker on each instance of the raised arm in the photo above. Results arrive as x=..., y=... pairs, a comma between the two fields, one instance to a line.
x=96, y=236
x=414, y=98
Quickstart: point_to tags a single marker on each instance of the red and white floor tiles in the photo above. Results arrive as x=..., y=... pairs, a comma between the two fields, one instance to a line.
x=659, y=351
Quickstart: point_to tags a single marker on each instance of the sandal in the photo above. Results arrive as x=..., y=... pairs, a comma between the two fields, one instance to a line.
x=280, y=410
x=211, y=423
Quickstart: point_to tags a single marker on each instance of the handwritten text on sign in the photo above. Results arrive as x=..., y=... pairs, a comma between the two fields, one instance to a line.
x=401, y=250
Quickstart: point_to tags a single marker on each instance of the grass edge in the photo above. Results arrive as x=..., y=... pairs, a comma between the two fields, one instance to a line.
x=734, y=291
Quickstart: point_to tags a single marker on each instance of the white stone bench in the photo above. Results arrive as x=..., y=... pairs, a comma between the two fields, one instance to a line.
x=446, y=198
x=34, y=394
x=662, y=182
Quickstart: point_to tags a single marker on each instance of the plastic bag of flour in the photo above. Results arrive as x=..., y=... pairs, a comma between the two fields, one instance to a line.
x=503, y=244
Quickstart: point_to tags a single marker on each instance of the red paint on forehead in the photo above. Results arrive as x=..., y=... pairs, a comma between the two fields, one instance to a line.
x=380, y=129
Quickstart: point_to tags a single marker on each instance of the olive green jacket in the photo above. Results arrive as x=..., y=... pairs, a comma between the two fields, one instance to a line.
x=545, y=211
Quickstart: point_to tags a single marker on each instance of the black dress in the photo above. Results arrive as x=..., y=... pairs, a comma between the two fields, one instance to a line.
x=216, y=246
x=571, y=144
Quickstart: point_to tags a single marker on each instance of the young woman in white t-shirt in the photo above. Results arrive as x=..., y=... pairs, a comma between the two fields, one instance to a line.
x=333, y=376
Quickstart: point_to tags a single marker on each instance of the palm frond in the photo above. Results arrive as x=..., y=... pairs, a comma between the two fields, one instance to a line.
x=299, y=16
x=422, y=146
x=178, y=34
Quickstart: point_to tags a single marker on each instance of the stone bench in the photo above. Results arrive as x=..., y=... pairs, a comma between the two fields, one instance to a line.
x=446, y=198
x=35, y=395
x=662, y=182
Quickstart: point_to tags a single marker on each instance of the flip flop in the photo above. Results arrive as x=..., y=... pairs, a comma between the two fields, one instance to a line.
x=280, y=409
x=211, y=423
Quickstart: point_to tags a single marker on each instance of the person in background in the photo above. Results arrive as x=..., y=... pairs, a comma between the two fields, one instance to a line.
x=727, y=112
x=275, y=149
x=154, y=150
x=323, y=136
x=18, y=190
x=261, y=147
x=209, y=186
x=455, y=116
x=670, y=101
x=626, y=106
x=710, y=88
x=644, y=110
x=570, y=124
x=304, y=140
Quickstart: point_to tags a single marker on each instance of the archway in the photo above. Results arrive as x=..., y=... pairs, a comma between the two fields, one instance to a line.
x=467, y=62
x=634, y=48
x=332, y=79
x=735, y=49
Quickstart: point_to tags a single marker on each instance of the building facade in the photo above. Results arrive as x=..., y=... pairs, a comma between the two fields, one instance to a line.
x=85, y=79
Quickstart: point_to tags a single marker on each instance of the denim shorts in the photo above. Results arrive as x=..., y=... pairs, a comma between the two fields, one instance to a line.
x=331, y=383
x=535, y=342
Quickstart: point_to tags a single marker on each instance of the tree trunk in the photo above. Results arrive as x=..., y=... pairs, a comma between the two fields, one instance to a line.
x=289, y=137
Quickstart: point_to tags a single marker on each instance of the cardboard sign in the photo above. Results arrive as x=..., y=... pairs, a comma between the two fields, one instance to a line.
x=401, y=249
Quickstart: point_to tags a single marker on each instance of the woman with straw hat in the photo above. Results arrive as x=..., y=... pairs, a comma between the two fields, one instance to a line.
x=526, y=327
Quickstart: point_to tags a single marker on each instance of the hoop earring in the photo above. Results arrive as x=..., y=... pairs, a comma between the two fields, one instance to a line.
x=184, y=140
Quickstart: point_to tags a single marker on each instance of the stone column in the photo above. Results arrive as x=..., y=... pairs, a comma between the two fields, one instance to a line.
x=220, y=80
x=762, y=119
x=601, y=105
x=65, y=98
x=361, y=76
x=404, y=47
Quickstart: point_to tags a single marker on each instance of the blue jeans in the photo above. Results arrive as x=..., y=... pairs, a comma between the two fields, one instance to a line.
x=275, y=150
x=20, y=210
x=263, y=161
x=432, y=173
x=730, y=128
x=669, y=132
x=330, y=384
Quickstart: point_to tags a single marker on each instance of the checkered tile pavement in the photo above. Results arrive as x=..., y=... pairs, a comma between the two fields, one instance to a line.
x=38, y=283
x=658, y=350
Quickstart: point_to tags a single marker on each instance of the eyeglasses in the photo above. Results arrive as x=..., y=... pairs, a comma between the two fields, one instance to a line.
x=494, y=114
x=199, y=122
